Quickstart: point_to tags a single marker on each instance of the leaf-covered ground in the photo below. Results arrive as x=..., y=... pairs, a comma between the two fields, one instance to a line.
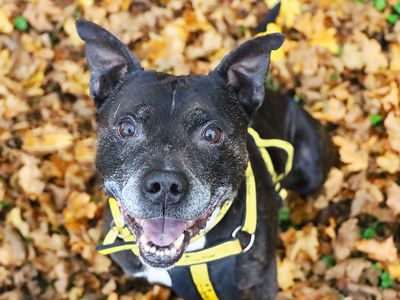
x=341, y=59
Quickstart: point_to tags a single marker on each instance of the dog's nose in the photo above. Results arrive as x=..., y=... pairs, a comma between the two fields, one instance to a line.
x=167, y=186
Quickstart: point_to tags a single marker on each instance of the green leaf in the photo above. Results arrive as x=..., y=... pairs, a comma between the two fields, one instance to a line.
x=396, y=7
x=329, y=260
x=334, y=76
x=284, y=214
x=376, y=120
x=392, y=18
x=380, y=4
x=5, y=203
x=270, y=84
x=376, y=267
x=77, y=13
x=20, y=23
x=368, y=233
x=386, y=280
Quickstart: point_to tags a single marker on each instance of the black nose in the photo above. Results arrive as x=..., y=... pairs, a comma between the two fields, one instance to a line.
x=167, y=186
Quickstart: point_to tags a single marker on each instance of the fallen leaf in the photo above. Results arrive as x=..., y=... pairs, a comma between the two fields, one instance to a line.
x=348, y=234
x=389, y=162
x=393, y=197
x=30, y=177
x=46, y=139
x=286, y=273
x=381, y=251
x=14, y=218
x=307, y=242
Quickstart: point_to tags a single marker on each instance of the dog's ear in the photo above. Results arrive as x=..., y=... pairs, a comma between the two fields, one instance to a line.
x=246, y=67
x=108, y=58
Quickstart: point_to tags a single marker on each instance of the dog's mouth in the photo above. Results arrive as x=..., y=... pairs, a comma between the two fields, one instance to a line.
x=162, y=241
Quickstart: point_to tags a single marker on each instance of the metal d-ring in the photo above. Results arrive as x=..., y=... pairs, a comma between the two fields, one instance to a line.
x=251, y=242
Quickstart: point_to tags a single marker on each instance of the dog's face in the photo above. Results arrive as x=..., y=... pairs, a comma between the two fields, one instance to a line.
x=172, y=149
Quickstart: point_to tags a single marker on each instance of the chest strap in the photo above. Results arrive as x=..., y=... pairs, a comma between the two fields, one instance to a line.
x=197, y=260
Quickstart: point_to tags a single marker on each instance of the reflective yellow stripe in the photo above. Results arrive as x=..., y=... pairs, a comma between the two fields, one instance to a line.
x=202, y=281
x=115, y=212
x=111, y=236
x=250, y=220
x=281, y=144
x=229, y=248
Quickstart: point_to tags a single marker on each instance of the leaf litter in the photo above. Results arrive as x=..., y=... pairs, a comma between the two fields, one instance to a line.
x=341, y=60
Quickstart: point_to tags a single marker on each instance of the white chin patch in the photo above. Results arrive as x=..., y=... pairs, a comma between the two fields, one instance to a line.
x=154, y=275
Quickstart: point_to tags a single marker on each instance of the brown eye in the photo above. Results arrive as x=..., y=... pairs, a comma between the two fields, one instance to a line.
x=126, y=129
x=212, y=134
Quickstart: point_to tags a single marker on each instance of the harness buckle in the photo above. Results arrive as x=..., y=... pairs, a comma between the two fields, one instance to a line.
x=251, y=242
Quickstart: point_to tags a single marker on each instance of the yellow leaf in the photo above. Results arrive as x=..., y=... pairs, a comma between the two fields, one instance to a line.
x=46, y=139
x=394, y=271
x=389, y=162
x=14, y=218
x=351, y=154
x=69, y=28
x=286, y=274
x=395, y=57
x=290, y=9
x=306, y=241
x=30, y=177
x=5, y=25
x=381, y=251
x=85, y=150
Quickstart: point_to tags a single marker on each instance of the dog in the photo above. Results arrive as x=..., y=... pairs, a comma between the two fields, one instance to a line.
x=174, y=150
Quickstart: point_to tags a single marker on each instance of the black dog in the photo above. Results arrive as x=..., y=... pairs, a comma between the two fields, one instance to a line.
x=173, y=149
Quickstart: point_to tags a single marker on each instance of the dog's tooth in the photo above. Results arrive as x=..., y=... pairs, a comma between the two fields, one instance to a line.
x=167, y=252
x=173, y=251
x=179, y=241
x=144, y=239
x=153, y=250
x=147, y=248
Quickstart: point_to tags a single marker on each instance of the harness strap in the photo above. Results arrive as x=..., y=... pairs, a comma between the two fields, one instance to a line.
x=197, y=260
x=202, y=282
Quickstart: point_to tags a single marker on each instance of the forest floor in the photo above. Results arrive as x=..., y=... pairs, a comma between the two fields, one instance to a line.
x=341, y=60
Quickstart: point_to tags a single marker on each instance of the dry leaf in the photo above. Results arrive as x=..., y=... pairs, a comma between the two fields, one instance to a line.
x=46, y=139
x=14, y=218
x=286, y=273
x=389, y=162
x=348, y=234
x=393, y=197
x=307, y=242
x=381, y=251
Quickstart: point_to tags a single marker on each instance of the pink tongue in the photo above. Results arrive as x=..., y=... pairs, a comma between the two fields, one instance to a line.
x=163, y=232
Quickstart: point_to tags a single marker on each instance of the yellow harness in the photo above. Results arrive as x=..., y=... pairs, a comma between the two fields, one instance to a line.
x=197, y=260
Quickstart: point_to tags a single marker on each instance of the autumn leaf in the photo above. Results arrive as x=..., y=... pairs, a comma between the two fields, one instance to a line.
x=46, y=139
x=381, y=251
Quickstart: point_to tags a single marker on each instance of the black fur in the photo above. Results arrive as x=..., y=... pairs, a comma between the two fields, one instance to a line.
x=169, y=114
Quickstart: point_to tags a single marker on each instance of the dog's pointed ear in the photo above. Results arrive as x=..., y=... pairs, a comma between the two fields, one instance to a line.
x=246, y=67
x=108, y=58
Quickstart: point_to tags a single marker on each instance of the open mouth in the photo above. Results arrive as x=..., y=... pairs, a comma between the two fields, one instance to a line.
x=162, y=241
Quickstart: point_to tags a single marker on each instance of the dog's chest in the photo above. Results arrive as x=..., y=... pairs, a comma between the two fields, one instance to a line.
x=161, y=276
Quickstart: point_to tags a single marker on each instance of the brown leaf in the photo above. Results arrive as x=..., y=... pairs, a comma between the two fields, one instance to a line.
x=381, y=251
x=348, y=234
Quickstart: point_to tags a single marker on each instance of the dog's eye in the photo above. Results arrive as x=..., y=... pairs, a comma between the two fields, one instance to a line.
x=212, y=134
x=126, y=128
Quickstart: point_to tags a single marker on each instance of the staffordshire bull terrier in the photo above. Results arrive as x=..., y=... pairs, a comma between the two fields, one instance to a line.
x=193, y=165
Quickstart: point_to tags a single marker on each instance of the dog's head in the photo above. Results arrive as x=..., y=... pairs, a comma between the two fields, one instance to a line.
x=172, y=149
